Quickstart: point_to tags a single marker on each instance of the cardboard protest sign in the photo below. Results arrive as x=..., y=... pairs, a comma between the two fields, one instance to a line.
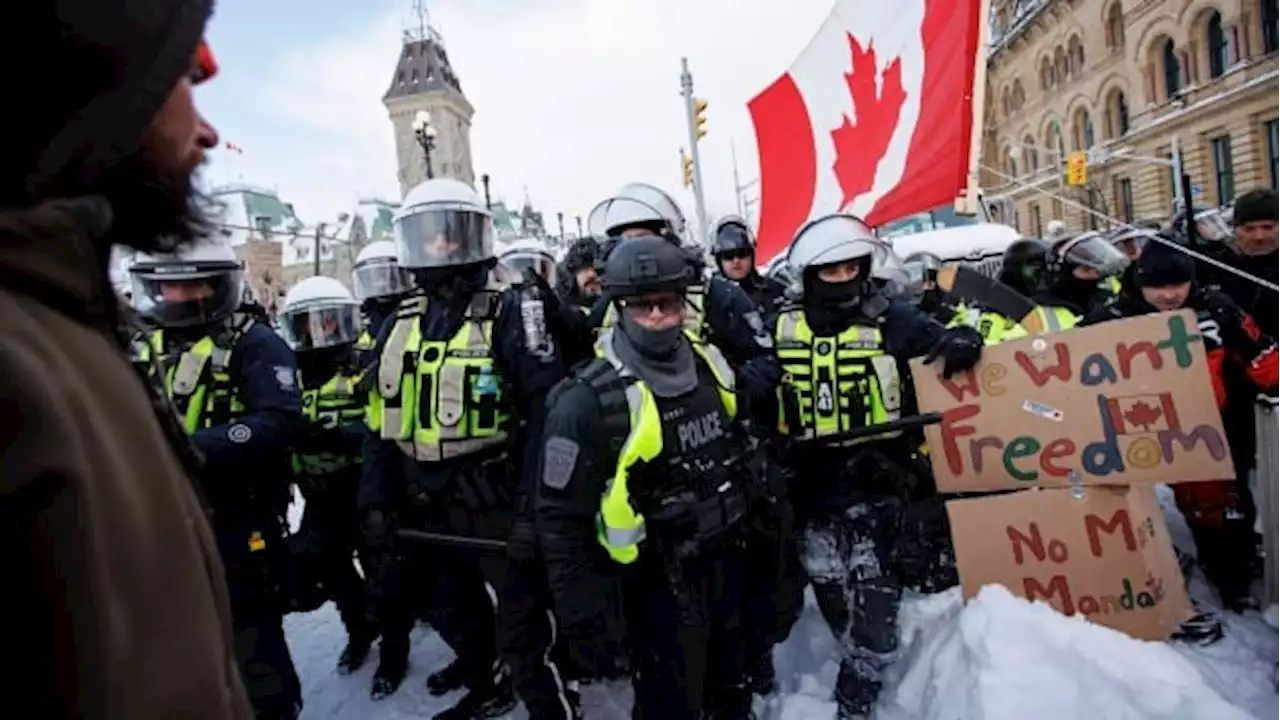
x=1129, y=401
x=1107, y=556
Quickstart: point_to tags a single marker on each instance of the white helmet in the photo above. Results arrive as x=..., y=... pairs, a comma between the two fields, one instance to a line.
x=442, y=223
x=377, y=274
x=527, y=254
x=639, y=205
x=200, y=284
x=843, y=238
x=317, y=313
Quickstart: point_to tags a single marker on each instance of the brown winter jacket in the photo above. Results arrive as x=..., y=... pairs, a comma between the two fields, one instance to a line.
x=112, y=598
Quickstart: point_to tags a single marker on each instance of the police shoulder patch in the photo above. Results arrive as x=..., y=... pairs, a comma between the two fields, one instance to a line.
x=559, y=457
x=239, y=433
x=285, y=377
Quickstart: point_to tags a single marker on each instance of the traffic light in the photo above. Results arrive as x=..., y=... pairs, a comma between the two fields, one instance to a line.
x=699, y=118
x=1077, y=169
x=686, y=164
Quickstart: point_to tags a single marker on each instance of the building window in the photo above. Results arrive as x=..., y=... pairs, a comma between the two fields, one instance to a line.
x=1173, y=179
x=1219, y=48
x=1075, y=55
x=1273, y=153
x=1086, y=128
x=1115, y=28
x=1124, y=198
x=1037, y=230
x=1224, y=173
x=1270, y=9
x=1172, y=70
x=1122, y=113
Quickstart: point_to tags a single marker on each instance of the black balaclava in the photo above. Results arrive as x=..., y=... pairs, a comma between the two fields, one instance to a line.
x=1077, y=293
x=664, y=359
x=832, y=307
x=318, y=365
x=378, y=309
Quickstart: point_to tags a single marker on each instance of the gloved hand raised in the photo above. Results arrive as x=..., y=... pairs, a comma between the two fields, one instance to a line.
x=960, y=349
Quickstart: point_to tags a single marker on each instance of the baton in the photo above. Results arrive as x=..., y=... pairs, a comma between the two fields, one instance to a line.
x=458, y=541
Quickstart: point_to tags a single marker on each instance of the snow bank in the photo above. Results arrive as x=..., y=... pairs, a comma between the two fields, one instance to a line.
x=1004, y=658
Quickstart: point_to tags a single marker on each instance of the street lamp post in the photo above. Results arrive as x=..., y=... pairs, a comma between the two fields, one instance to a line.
x=578, y=218
x=425, y=133
x=560, y=219
x=484, y=180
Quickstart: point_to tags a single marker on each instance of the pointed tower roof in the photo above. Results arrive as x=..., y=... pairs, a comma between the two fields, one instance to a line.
x=423, y=66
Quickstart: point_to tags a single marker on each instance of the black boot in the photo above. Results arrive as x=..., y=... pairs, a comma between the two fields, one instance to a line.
x=488, y=696
x=760, y=678
x=453, y=676
x=392, y=665
x=355, y=653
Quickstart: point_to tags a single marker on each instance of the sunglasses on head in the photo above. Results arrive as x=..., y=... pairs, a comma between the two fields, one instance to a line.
x=206, y=64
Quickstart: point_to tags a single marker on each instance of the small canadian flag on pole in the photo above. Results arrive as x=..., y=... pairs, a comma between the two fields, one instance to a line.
x=874, y=117
x=232, y=147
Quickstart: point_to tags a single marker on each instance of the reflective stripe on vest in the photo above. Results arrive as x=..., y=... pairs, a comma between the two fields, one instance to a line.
x=694, y=313
x=333, y=404
x=366, y=341
x=836, y=383
x=620, y=528
x=198, y=396
x=439, y=399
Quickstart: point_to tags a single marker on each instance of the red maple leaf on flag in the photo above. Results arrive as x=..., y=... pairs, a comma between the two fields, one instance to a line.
x=860, y=145
x=1143, y=415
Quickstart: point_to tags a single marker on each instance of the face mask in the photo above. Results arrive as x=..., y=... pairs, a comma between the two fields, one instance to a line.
x=838, y=297
x=655, y=344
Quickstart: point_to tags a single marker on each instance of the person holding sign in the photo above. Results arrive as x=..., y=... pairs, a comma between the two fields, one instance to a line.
x=843, y=348
x=1217, y=512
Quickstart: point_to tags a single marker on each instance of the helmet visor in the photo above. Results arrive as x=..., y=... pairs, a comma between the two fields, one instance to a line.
x=443, y=238
x=514, y=266
x=1094, y=252
x=320, y=326
x=1212, y=226
x=379, y=279
x=187, y=299
x=733, y=239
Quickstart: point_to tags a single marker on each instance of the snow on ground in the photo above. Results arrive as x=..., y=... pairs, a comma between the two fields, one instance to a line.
x=998, y=658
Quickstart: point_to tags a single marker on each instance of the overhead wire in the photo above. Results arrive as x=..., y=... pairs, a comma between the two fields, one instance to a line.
x=1144, y=232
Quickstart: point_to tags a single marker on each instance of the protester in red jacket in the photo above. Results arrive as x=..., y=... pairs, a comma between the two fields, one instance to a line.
x=1215, y=511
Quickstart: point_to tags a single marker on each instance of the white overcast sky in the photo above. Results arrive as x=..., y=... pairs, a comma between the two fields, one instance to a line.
x=572, y=97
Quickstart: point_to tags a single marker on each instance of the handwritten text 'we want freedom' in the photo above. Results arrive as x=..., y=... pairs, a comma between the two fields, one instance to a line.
x=1137, y=431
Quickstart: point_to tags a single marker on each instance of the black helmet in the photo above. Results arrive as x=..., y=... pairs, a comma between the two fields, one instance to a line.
x=732, y=236
x=647, y=264
x=1090, y=250
x=1026, y=265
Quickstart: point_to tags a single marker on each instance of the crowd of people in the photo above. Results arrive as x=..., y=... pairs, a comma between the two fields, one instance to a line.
x=627, y=464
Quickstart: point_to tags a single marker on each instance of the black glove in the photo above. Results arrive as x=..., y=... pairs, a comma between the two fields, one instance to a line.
x=960, y=349
x=376, y=529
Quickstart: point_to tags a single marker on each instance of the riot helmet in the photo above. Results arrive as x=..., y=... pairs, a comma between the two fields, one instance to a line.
x=646, y=278
x=443, y=225
x=377, y=274
x=639, y=208
x=195, y=286
x=1130, y=241
x=1089, y=256
x=319, y=312
x=527, y=254
x=1025, y=267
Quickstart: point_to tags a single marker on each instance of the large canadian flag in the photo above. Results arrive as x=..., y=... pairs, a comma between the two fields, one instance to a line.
x=873, y=118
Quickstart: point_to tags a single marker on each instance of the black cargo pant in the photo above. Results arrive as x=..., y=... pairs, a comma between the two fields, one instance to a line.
x=257, y=614
x=322, y=552
x=772, y=583
x=453, y=588
x=688, y=640
x=851, y=558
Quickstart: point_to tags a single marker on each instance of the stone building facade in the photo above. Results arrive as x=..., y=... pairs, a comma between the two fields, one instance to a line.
x=264, y=270
x=1121, y=79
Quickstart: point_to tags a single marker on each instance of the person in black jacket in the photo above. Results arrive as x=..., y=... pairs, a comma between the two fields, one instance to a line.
x=734, y=248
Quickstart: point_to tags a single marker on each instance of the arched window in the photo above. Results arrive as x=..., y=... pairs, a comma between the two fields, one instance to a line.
x=1218, y=47
x=1046, y=74
x=1030, y=158
x=1075, y=56
x=1172, y=70
x=1115, y=28
x=1019, y=95
x=1118, y=110
x=1006, y=101
x=1060, y=68
x=1086, y=130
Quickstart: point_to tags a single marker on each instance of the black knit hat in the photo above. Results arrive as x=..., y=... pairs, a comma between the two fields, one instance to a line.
x=1160, y=265
x=1255, y=206
x=93, y=73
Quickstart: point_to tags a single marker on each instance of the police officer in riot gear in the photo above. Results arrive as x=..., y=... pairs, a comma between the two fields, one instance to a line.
x=1085, y=271
x=719, y=311
x=1028, y=268
x=380, y=284
x=734, y=248
x=233, y=383
x=454, y=380
x=843, y=349
x=643, y=475
x=320, y=320
x=527, y=255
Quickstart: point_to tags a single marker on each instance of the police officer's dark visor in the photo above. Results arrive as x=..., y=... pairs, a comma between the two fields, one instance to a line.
x=187, y=295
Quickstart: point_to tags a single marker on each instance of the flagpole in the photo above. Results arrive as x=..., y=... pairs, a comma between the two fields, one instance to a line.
x=968, y=204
